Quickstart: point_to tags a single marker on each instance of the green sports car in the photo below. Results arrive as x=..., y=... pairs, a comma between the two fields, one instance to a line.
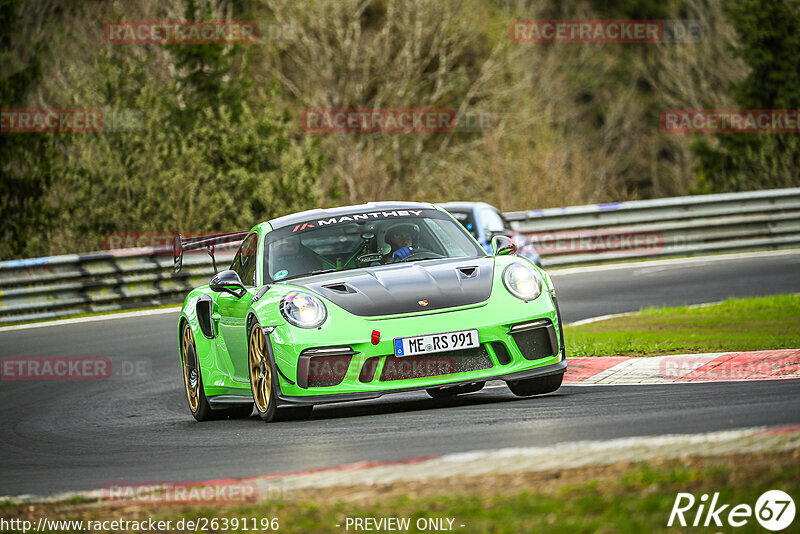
x=356, y=302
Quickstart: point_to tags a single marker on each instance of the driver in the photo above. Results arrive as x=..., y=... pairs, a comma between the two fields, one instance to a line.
x=401, y=238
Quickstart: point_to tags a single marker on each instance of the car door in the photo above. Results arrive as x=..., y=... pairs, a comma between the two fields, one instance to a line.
x=232, y=310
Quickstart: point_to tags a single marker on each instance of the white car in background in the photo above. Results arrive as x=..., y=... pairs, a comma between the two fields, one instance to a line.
x=484, y=221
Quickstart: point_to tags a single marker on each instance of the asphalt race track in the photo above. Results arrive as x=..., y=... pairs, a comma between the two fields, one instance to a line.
x=57, y=436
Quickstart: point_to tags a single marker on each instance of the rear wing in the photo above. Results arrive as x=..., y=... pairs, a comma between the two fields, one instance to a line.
x=208, y=242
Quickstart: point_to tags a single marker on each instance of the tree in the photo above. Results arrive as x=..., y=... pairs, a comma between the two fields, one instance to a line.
x=209, y=155
x=207, y=75
x=25, y=157
x=770, y=45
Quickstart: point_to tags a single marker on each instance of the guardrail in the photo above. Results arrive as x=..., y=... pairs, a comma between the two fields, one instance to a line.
x=57, y=286
x=668, y=227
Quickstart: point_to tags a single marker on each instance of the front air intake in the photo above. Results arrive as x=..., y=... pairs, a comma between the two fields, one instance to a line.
x=323, y=367
x=437, y=364
x=536, y=339
x=500, y=350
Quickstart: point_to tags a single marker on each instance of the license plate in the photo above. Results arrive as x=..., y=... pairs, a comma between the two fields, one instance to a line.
x=430, y=343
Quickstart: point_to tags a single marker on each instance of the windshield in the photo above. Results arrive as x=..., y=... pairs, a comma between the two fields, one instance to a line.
x=364, y=240
x=467, y=220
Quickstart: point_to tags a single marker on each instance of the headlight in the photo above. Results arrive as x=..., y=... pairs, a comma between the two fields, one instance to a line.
x=522, y=281
x=303, y=310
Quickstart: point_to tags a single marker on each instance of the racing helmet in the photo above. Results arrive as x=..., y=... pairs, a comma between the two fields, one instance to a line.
x=403, y=227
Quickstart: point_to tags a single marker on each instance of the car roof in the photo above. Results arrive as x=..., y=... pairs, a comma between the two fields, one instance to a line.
x=295, y=218
x=463, y=205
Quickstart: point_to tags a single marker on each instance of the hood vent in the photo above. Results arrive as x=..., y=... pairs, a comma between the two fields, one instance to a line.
x=340, y=287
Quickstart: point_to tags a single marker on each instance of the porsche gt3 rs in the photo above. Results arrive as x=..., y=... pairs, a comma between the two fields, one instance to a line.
x=357, y=302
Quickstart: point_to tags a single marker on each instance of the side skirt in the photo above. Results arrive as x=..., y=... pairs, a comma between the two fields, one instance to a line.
x=220, y=402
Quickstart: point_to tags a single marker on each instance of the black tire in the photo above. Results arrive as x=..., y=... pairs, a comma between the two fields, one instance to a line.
x=536, y=386
x=452, y=391
x=192, y=377
x=263, y=381
x=193, y=381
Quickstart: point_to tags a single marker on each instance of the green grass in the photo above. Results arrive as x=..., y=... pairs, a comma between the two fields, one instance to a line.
x=75, y=499
x=734, y=325
x=635, y=499
x=624, y=498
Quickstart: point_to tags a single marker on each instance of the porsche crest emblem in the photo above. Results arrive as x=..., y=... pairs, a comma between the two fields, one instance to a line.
x=422, y=302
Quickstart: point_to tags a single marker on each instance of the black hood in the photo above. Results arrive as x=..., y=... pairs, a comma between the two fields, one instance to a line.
x=406, y=287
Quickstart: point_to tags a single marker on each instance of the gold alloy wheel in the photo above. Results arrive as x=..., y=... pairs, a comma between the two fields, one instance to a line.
x=191, y=378
x=260, y=372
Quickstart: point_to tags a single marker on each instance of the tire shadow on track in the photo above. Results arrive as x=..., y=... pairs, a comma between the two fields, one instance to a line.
x=385, y=406
x=407, y=403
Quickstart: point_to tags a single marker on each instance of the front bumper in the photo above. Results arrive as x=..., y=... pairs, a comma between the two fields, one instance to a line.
x=538, y=372
x=494, y=319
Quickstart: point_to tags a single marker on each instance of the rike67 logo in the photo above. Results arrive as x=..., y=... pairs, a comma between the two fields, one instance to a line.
x=774, y=510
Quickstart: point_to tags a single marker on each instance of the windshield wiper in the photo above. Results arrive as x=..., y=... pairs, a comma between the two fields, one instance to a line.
x=312, y=273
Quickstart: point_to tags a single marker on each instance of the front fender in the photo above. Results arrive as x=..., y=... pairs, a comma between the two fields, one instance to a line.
x=266, y=307
x=206, y=348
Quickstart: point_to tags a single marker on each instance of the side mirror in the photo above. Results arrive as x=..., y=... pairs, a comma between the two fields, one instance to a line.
x=503, y=245
x=228, y=282
x=506, y=233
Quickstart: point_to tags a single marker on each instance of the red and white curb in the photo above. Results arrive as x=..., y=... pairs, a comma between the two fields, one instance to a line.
x=711, y=367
